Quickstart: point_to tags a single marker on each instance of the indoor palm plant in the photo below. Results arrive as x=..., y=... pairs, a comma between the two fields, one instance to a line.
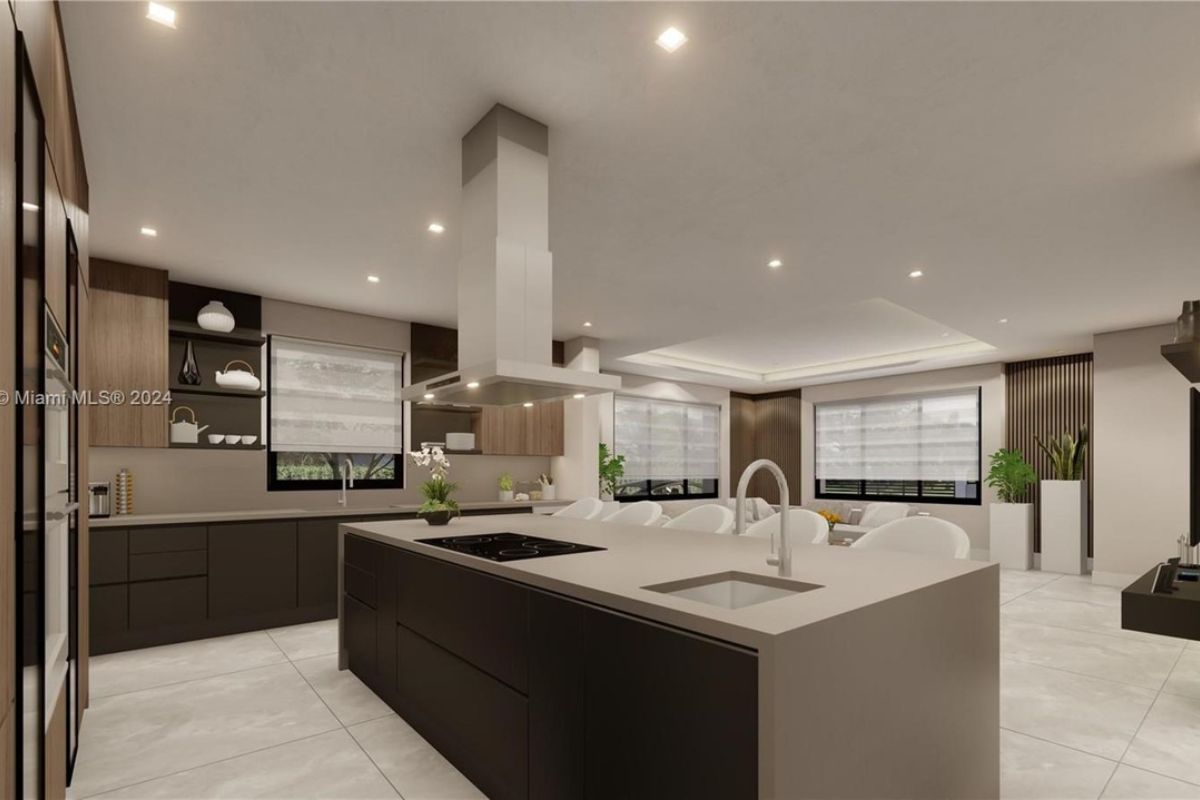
x=1010, y=520
x=612, y=469
x=1063, y=503
x=438, y=507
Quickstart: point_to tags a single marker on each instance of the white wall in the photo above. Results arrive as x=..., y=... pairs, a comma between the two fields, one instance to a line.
x=989, y=377
x=1140, y=456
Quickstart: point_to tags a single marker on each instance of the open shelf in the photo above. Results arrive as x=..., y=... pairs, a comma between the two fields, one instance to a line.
x=207, y=446
x=219, y=392
x=243, y=336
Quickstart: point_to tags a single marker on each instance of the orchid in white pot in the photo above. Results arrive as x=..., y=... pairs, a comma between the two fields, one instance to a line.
x=438, y=507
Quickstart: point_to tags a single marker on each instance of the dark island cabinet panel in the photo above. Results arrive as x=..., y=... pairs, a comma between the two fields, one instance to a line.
x=482, y=620
x=251, y=568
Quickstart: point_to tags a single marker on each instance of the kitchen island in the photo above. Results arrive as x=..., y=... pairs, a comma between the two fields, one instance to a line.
x=566, y=676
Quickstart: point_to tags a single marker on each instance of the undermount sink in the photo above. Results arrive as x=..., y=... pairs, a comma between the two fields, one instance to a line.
x=733, y=589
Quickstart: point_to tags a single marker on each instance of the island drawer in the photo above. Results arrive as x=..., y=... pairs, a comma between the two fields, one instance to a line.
x=481, y=619
x=361, y=586
x=151, y=566
x=480, y=724
x=168, y=540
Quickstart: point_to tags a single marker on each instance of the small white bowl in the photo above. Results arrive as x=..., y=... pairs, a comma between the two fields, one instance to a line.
x=232, y=438
x=249, y=439
x=216, y=438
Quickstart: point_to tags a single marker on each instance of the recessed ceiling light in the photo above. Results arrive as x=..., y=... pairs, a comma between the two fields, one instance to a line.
x=671, y=39
x=587, y=324
x=436, y=227
x=1003, y=320
x=579, y=396
x=774, y=263
x=151, y=232
x=373, y=278
x=528, y=405
x=916, y=273
x=161, y=14
x=30, y=206
x=473, y=385
x=945, y=334
x=428, y=395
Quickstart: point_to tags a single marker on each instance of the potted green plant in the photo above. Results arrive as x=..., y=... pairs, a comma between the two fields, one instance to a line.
x=548, y=490
x=1064, y=504
x=506, y=488
x=612, y=469
x=1010, y=520
x=439, y=507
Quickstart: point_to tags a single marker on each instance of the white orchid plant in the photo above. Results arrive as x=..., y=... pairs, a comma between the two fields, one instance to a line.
x=438, y=488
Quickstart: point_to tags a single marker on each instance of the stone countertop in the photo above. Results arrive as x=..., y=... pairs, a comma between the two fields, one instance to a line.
x=202, y=517
x=636, y=557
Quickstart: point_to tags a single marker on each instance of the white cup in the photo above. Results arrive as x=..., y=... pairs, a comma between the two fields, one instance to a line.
x=249, y=439
x=216, y=438
x=232, y=438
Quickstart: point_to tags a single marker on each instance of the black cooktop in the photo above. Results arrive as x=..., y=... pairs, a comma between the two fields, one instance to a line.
x=508, y=546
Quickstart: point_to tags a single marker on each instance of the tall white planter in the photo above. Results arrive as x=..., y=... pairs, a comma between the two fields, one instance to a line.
x=1011, y=535
x=1064, y=526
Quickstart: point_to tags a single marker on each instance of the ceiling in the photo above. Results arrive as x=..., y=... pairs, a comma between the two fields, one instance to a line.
x=1039, y=162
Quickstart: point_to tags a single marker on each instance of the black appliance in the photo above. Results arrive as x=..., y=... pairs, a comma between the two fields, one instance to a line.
x=507, y=546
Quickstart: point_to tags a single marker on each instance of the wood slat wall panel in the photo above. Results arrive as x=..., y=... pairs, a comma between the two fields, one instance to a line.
x=1047, y=397
x=766, y=426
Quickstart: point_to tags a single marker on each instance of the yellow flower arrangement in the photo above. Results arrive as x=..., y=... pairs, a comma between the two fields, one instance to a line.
x=832, y=517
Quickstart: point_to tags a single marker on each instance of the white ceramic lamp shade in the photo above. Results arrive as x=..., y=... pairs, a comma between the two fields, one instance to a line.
x=215, y=317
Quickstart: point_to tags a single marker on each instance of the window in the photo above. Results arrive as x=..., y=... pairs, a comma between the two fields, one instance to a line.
x=917, y=447
x=671, y=449
x=327, y=403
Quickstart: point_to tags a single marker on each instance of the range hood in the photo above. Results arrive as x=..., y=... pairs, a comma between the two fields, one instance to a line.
x=505, y=275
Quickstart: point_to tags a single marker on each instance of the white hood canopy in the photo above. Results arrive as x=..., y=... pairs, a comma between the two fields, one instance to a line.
x=505, y=274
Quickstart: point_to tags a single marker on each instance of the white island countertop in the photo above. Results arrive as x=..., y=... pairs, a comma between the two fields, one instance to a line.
x=635, y=557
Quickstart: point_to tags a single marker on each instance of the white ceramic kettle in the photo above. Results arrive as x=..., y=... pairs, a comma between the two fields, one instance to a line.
x=185, y=432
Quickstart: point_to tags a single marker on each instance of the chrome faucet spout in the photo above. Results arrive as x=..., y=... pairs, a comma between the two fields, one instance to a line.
x=785, y=545
x=347, y=474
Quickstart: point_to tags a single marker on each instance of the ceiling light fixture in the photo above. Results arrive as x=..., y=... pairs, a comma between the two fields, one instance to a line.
x=437, y=227
x=587, y=324
x=671, y=39
x=372, y=279
x=774, y=263
x=1004, y=320
x=916, y=273
x=428, y=395
x=528, y=405
x=30, y=206
x=473, y=385
x=163, y=15
x=579, y=396
x=151, y=232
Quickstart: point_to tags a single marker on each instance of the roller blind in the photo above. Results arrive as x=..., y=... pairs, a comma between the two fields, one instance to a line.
x=666, y=440
x=925, y=437
x=331, y=398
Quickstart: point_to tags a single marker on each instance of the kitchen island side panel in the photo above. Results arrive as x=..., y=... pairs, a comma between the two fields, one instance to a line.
x=896, y=699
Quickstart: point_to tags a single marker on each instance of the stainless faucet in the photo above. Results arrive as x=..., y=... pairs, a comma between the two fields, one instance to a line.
x=347, y=474
x=785, y=545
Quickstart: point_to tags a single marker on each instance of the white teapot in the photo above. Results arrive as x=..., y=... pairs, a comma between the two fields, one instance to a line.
x=185, y=432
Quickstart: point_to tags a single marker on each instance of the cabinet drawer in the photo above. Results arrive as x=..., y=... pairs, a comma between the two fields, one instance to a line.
x=480, y=724
x=361, y=640
x=168, y=540
x=109, y=610
x=152, y=566
x=109, y=556
x=169, y=602
x=481, y=619
x=363, y=553
x=361, y=586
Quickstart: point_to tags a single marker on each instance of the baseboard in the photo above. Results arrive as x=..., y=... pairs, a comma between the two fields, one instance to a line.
x=1117, y=579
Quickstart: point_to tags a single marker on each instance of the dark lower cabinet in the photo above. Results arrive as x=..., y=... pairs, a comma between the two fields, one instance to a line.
x=154, y=604
x=533, y=695
x=251, y=568
x=317, y=563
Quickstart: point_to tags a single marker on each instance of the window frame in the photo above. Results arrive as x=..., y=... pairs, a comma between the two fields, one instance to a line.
x=685, y=480
x=919, y=497
x=277, y=484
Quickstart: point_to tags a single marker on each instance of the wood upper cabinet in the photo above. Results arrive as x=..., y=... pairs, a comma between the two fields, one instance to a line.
x=520, y=431
x=128, y=352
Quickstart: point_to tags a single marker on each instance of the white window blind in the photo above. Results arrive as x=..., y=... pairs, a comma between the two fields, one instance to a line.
x=330, y=398
x=916, y=438
x=666, y=440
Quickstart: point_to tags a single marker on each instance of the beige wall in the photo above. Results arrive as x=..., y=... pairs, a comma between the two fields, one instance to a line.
x=1140, y=460
x=990, y=377
x=204, y=480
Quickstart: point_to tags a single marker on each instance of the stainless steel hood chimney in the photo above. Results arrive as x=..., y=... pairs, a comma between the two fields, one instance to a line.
x=505, y=275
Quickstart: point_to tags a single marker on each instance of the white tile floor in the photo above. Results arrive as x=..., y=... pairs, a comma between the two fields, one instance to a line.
x=1086, y=711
